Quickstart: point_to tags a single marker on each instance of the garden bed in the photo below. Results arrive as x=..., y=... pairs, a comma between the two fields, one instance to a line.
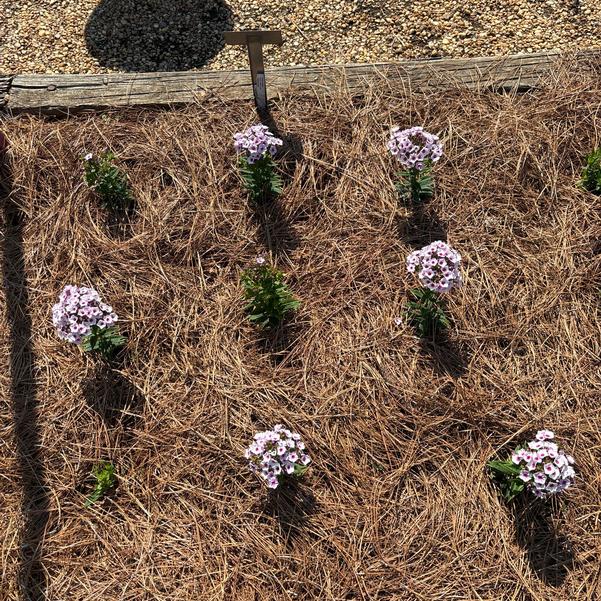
x=397, y=503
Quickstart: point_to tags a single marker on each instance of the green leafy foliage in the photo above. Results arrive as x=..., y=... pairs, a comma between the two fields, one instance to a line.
x=416, y=185
x=505, y=474
x=260, y=178
x=104, y=341
x=104, y=474
x=426, y=312
x=108, y=182
x=299, y=470
x=269, y=298
x=591, y=174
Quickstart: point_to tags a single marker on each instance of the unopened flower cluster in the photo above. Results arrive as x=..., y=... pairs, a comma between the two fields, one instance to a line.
x=276, y=453
x=257, y=141
x=547, y=469
x=79, y=309
x=437, y=266
x=414, y=148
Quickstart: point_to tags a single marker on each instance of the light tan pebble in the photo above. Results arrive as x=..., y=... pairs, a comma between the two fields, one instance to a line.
x=46, y=32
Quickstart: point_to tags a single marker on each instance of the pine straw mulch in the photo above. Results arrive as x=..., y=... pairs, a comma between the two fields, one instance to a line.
x=397, y=504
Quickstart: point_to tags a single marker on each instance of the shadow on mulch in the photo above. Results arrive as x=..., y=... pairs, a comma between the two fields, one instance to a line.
x=549, y=552
x=23, y=391
x=423, y=226
x=279, y=342
x=275, y=232
x=112, y=396
x=292, y=149
x=448, y=356
x=157, y=35
x=292, y=504
x=119, y=223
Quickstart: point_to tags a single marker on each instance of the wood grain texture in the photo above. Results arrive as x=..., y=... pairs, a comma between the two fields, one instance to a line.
x=69, y=93
x=5, y=82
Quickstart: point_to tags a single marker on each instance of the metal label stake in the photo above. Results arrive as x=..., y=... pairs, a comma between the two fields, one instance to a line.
x=254, y=41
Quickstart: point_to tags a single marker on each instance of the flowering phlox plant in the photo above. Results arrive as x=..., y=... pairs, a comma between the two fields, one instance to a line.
x=82, y=318
x=268, y=297
x=277, y=453
x=416, y=150
x=257, y=147
x=437, y=267
x=107, y=181
x=538, y=466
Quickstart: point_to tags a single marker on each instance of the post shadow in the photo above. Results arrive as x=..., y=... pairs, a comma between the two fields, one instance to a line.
x=292, y=504
x=549, y=552
x=292, y=149
x=277, y=235
x=23, y=388
x=157, y=35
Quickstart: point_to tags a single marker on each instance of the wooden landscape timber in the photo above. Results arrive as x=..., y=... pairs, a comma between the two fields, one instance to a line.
x=51, y=94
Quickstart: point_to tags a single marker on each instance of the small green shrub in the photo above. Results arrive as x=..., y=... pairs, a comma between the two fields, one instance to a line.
x=269, y=298
x=591, y=174
x=105, y=480
x=108, y=182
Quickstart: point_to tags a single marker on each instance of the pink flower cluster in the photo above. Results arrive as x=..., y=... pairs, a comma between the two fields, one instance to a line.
x=414, y=148
x=546, y=468
x=257, y=141
x=276, y=453
x=77, y=310
x=437, y=266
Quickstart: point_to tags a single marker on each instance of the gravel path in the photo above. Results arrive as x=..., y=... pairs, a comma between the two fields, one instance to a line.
x=79, y=36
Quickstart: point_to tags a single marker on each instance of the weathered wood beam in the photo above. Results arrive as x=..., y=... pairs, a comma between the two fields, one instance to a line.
x=69, y=93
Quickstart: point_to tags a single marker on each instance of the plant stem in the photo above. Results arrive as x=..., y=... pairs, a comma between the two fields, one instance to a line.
x=414, y=185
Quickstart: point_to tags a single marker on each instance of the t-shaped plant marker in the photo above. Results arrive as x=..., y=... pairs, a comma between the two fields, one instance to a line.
x=254, y=41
